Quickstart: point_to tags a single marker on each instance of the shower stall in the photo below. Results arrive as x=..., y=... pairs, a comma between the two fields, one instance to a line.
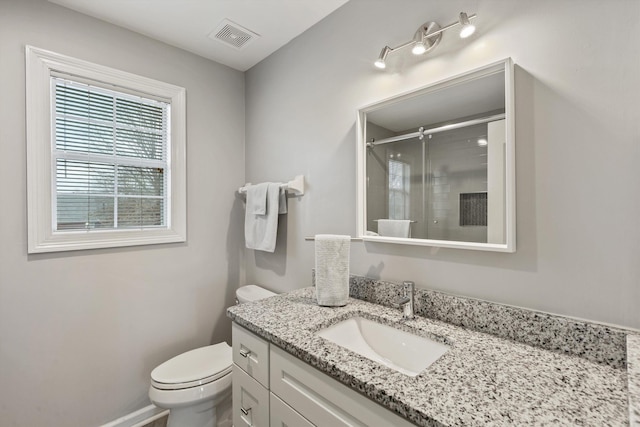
x=446, y=179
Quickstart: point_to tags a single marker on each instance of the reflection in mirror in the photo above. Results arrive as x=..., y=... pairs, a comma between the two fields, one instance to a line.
x=438, y=165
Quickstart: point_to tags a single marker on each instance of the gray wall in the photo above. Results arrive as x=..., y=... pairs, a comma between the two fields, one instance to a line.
x=81, y=331
x=577, y=137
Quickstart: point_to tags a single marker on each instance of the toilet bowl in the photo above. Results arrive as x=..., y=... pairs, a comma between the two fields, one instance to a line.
x=196, y=386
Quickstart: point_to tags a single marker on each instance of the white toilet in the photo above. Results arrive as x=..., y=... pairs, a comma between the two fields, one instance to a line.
x=196, y=386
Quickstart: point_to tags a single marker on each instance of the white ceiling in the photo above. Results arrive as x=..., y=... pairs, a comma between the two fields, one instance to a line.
x=187, y=23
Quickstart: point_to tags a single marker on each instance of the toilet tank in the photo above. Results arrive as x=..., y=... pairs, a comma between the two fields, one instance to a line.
x=250, y=293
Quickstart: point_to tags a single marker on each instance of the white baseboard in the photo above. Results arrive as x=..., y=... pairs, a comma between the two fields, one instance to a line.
x=139, y=418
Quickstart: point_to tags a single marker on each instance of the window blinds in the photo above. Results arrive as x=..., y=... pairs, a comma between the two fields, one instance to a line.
x=110, y=152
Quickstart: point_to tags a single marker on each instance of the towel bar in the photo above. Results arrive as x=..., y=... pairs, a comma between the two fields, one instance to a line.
x=296, y=186
x=353, y=239
x=412, y=221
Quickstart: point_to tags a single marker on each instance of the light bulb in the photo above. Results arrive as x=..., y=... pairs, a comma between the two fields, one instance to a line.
x=467, y=30
x=482, y=142
x=380, y=62
x=467, y=27
x=419, y=48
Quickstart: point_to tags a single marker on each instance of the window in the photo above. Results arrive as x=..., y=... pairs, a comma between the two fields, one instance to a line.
x=110, y=156
x=106, y=156
x=399, y=189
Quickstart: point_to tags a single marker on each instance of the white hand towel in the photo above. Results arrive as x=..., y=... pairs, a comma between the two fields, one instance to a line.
x=394, y=227
x=282, y=201
x=332, y=269
x=260, y=231
x=257, y=198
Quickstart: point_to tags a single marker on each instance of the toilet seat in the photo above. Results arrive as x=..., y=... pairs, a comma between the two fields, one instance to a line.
x=193, y=368
x=214, y=391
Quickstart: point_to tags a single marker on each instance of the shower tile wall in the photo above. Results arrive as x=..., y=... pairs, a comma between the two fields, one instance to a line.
x=457, y=165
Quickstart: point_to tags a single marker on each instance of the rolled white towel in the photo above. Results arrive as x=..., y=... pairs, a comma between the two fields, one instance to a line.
x=332, y=269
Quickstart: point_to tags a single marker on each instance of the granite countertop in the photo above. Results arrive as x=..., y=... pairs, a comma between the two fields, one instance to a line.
x=482, y=380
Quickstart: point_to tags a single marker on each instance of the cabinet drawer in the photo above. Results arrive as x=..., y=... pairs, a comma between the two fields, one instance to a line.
x=283, y=415
x=251, y=353
x=250, y=401
x=321, y=399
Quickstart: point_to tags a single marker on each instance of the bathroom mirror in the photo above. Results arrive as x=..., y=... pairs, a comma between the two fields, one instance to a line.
x=436, y=166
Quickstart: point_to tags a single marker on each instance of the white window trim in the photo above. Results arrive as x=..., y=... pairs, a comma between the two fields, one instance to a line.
x=40, y=65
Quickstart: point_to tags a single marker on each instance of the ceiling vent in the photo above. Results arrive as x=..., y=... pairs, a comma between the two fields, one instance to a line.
x=233, y=34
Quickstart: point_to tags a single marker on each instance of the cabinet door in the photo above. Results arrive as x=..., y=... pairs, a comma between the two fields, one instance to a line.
x=322, y=400
x=251, y=353
x=283, y=415
x=250, y=401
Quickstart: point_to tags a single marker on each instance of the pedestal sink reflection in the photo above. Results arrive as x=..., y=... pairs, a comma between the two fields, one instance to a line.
x=391, y=347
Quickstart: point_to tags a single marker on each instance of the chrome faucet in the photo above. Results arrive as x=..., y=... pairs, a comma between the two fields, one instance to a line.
x=406, y=302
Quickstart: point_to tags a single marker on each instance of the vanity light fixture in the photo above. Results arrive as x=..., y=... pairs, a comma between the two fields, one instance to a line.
x=427, y=37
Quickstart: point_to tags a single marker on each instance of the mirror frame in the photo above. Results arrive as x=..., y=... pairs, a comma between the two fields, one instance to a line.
x=509, y=245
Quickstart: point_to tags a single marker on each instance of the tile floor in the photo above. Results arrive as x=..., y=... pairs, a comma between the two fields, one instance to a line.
x=160, y=422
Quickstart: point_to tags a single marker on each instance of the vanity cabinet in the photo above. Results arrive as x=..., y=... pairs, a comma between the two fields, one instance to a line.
x=250, y=378
x=294, y=393
x=321, y=399
x=250, y=401
x=283, y=415
x=251, y=353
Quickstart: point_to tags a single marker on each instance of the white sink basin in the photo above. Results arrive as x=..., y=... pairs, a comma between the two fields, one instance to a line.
x=394, y=348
